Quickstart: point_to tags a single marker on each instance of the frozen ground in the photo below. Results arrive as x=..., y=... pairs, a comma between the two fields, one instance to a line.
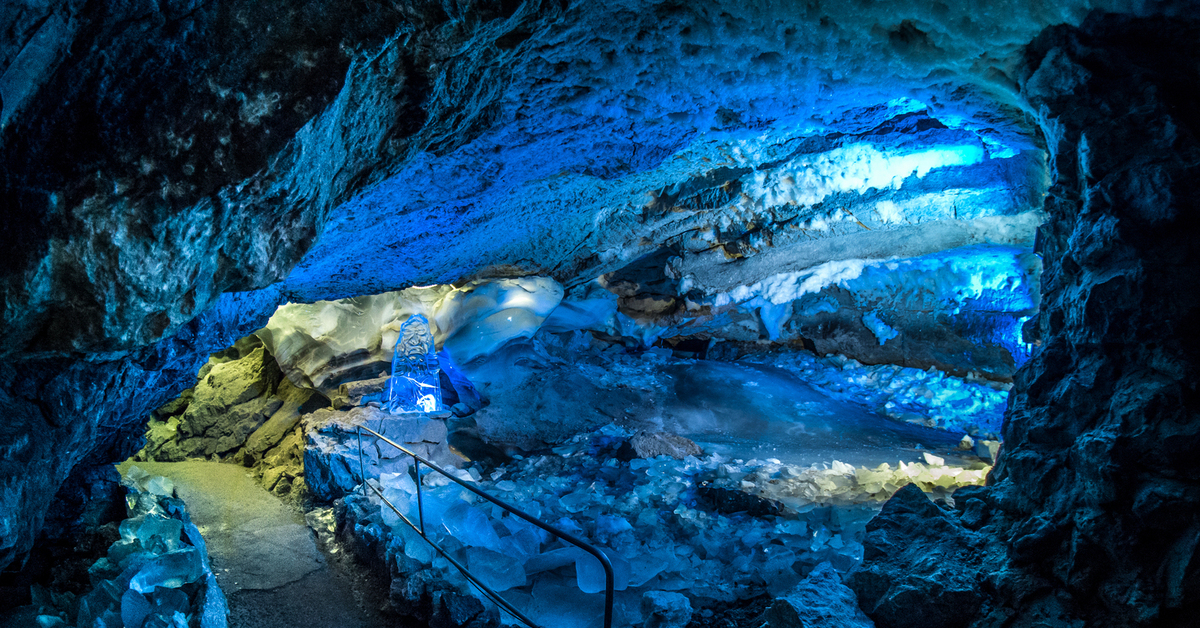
x=714, y=529
x=745, y=410
x=794, y=407
x=933, y=398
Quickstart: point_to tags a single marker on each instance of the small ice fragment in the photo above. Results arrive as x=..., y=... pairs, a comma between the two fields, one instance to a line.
x=933, y=460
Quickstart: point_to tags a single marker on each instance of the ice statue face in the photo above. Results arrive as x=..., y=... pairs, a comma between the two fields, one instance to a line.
x=415, y=384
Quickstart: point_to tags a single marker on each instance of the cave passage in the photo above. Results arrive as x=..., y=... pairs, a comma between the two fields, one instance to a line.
x=776, y=447
x=265, y=557
x=881, y=311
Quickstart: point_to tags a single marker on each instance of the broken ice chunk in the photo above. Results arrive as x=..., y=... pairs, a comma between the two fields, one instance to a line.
x=576, y=502
x=547, y=561
x=470, y=526
x=647, y=564
x=496, y=570
x=522, y=543
x=134, y=609
x=173, y=570
x=608, y=525
x=590, y=573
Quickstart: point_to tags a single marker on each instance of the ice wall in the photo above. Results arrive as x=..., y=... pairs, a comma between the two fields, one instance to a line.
x=322, y=345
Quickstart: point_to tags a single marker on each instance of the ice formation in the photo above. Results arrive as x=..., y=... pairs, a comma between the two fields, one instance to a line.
x=971, y=405
x=414, y=385
x=324, y=344
x=667, y=525
x=157, y=575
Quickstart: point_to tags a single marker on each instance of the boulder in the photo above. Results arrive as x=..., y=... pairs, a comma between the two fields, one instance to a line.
x=921, y=568
x=819, y=601
x=651, y=444
x=666, y=609
x=226, y=386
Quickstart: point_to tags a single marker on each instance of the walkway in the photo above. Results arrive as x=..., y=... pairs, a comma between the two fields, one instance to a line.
x=265, y=558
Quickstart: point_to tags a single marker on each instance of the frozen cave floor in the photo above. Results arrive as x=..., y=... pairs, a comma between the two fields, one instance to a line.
x=794, y=407
x=773, y=478
x=755, y=411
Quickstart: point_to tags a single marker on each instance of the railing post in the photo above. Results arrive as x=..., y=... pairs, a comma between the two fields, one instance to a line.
x=420, y=503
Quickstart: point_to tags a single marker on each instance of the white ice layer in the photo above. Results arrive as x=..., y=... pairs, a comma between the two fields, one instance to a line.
x=859, y=167
x=312, y=341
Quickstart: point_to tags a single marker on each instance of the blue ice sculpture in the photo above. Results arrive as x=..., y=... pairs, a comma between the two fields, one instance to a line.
x=414, y=385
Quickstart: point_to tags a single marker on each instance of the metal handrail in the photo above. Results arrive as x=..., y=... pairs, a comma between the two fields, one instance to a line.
x=487, y=591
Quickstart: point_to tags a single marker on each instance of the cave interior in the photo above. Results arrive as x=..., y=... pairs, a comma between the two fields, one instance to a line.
x=801, y=313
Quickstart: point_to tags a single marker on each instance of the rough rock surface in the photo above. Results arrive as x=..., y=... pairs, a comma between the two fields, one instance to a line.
x=820, y=601
x=651, y=444
x=666, y=609
x=61, y=411
x=918, y=556
x=1094, y=494
x=242, y=409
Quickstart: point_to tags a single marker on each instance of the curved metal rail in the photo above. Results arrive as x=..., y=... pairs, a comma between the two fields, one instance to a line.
x=419, y=528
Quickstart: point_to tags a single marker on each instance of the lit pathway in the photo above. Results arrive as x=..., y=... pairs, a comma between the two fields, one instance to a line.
x=265, y=558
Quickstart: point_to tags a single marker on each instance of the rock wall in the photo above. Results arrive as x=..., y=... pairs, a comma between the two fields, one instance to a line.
x=59, y=412
x=242, y=409
x=1092, y=507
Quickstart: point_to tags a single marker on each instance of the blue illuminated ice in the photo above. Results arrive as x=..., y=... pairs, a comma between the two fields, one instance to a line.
x=883, y=332
x=172, y=570
x=497, y=570
x=470, y=526
x=414, y=385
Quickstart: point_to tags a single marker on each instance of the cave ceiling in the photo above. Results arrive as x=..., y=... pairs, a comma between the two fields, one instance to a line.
x=159, y=155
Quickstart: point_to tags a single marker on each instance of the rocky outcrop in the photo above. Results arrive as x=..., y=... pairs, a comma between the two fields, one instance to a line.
x=918, y=556
x=820, y=601
x=243, y=410
x=1094, y=496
